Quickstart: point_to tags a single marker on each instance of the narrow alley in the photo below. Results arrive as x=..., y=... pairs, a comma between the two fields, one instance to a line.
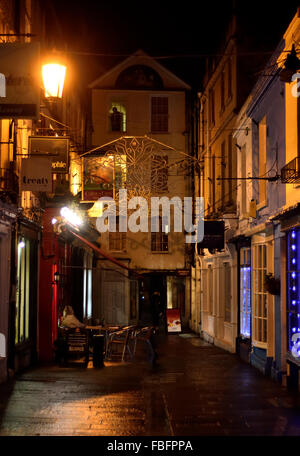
x=195, y=389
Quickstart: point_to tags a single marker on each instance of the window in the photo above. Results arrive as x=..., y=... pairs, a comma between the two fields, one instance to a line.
x=159, y=173
x=262, y=132
x=227, y=291
x=230, y=171
x=210, y=289
x=117, y=115
x=245, y=292
x=222, y=91
x=214, y=183
x=211, y=98
x=244, y=182
x=223, y=173
x=160, y=241
x=159, y=114
x=259, y=297
x=87, y=285
x=293, y=287
x=117, y=239
x=229, y=80
x=22, y=291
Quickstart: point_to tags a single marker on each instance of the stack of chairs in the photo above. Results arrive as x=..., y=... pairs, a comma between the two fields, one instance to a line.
x=122, y=340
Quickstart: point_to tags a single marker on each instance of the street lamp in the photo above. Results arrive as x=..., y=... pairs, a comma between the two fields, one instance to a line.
x=53, y=79
x=56, y=277
x=71, y=217
x=291, y=66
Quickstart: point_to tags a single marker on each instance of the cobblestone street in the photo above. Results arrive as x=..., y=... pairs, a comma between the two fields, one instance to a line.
x=195, y=389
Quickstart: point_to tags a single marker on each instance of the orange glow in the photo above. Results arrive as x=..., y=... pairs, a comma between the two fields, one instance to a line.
x=53, y=79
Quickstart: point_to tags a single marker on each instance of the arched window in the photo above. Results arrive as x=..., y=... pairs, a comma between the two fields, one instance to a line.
x=139, y=77
x=117, y=117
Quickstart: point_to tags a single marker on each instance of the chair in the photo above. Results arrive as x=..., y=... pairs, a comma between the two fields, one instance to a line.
x=119, y=339
x=77, y=345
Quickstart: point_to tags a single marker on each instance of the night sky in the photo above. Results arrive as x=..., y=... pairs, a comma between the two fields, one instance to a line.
x=164, y=28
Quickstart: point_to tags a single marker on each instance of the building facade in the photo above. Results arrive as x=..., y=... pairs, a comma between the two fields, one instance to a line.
x=139, y=115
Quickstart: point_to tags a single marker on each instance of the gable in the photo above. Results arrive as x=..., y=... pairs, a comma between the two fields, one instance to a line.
x=139, y=72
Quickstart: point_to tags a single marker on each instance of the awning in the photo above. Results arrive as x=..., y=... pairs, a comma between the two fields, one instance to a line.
x=104, y=254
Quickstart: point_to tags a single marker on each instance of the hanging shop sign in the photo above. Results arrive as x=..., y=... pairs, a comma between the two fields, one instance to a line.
x=98, y=177
x=173, y=320
x=36, y=174
x=20, y=80
x=213, y=235
x=55, y=147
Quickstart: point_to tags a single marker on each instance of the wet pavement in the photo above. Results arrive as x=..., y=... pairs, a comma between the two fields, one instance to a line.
x=196, y=389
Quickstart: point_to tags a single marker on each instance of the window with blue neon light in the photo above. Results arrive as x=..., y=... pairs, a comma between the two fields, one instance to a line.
x=293, y=286
x=245, y=292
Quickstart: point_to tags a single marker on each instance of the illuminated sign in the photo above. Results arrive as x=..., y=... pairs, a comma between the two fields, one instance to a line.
x=55, y=147
x=36, y=175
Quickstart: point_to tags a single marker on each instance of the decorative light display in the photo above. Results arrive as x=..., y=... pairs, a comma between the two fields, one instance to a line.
x=293, y=296
x=140, y=164
x=245, y=300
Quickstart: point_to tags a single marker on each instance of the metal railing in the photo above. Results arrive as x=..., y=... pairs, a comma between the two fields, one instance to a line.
x=290, y=173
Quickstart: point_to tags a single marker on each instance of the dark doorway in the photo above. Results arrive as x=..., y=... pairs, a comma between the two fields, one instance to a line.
x=152, y=282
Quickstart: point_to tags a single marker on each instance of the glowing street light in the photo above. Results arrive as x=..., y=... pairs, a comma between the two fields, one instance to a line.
x=53, y=79
x=71, y=217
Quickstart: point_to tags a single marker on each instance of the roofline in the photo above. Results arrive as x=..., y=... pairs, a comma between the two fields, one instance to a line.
x=138, y=53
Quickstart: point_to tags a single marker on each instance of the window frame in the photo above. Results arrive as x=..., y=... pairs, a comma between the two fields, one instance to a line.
x=22, y=321
x=87, y=286
x=167, y=116
x=159, y=239
x=262, y=162
x=292, y=303
x=245, y=292
x=117, y=240
x=257, y=274
x=121, y=106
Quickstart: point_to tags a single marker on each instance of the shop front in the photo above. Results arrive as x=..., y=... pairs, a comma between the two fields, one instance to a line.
x=24, y=317
x=290, y=290
x=244, y=300
x=8, y=216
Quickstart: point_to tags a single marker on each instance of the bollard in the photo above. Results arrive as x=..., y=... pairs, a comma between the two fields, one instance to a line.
x=98, y=350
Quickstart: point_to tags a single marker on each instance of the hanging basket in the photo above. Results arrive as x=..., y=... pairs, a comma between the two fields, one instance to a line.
x=272, y=285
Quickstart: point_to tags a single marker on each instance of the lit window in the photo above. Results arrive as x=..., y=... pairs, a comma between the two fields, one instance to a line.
x=245, y=292
x=22, y=291
x=87, y=286
x=259, y=295
x=117, y=114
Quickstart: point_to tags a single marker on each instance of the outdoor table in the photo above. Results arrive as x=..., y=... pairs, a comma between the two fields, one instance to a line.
x=106, y=330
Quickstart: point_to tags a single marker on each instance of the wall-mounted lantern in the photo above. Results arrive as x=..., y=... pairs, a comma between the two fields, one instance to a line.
x=53, y=79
